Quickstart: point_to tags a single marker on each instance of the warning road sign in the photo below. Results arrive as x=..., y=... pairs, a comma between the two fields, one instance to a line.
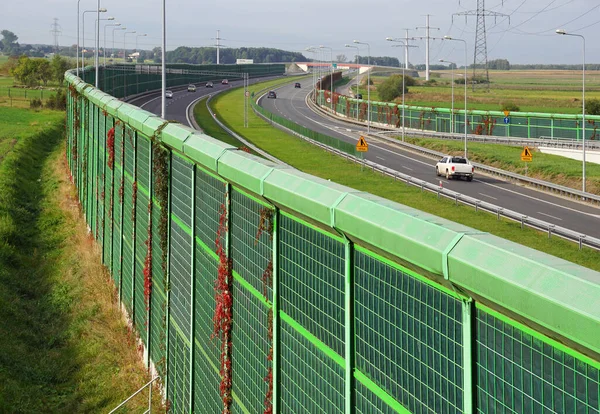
x=526, y=155
x=362, y=145
x=506, y=113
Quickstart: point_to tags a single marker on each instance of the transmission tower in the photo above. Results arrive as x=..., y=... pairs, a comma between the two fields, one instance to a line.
x=218, y=45
x=56, y=31
x=480, y=59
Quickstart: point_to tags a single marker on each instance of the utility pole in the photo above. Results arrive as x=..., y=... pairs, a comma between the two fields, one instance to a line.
x=480, y=59
x=427, y=37
x=218, y=45
x=56, y=31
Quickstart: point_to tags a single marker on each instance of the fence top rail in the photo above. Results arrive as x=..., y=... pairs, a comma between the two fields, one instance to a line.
x=553, y=293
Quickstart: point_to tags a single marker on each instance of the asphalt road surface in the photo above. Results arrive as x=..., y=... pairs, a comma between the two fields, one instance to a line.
x=290, y=103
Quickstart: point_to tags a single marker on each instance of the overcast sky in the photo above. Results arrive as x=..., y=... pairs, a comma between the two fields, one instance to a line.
x=296, y=25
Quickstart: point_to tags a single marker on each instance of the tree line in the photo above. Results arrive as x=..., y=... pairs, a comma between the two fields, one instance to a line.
x=35, y=71
x=208, y=55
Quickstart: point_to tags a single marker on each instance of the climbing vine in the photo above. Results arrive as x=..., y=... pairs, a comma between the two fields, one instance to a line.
x=486, y=127
x=266, y=224
x=122, y=186
x=110, y=144
x=223, y=316
x=148, y=261
x=76, y=124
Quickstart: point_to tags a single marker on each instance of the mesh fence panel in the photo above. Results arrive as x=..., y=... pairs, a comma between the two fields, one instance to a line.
x=408, y=337
x=520, y=373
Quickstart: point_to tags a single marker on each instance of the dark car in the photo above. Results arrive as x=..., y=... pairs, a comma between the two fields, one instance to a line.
x=358, y=96
x=272, y=94
x=209, y=84
x=297, y=85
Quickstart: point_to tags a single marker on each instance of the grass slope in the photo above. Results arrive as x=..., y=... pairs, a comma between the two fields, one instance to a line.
x=65, y=347
x=318, y=162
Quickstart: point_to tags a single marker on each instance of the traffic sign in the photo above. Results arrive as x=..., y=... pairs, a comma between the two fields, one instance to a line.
x=361, y=145
x=328, y=100
x=526, y=155
x=247, y=94
x=506, y=113
x=507, y=120
x=335, y=65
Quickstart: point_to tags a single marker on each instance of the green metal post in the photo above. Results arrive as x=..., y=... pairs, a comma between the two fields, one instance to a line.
x=122, y=218
x=134, y=226
x=276, y=326
x=168, y=276
x=102, y=141
x=151, y=210
x=193, y=293
x=467, y=306
x=349, y=327
x=528, y=127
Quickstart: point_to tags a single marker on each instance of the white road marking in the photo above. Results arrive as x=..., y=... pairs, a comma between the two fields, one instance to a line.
x=407, y=168
x=383, y=159
x=548, y=215
x=488, y=196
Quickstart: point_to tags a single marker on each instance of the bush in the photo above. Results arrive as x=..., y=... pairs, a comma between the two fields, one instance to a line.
x=430, y=82
x=510, y=106
x=391, y=88
x=592, y=107
x=58, y=101
x=365, y=80
x=35, y=103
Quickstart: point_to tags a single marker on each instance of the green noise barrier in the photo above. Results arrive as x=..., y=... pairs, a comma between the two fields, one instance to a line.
x=254, y=287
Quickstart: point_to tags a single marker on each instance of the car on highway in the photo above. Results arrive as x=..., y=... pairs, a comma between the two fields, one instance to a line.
x=297, y=85
x=209, y=84
x=224, y=82
x=455, y=167
x=191, y=88
x=358, y=96
x=168, y=94
x=272, y=95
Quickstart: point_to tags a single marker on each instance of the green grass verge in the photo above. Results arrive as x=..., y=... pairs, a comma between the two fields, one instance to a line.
x=320, y=163
x=553, y=168
x=65, y=347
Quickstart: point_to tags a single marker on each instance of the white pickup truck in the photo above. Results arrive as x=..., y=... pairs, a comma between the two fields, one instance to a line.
x=452, y=166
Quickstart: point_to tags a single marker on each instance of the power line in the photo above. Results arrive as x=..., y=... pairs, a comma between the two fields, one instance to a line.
x=56, y=31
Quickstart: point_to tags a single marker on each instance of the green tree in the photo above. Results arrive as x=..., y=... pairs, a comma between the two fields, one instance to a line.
x=9, y=42
x=391, y=88
x=25, y=72
x=592, y=107
x=59, y=66
x=43, y=70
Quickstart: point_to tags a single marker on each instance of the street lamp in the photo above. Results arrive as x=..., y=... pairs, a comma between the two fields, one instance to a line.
x=466, y=64
x=357, y=71
x=314, y=72
x=163, y=52
x=331, y=78
x=564, y=33
x=77, y=55
x=368, y=83
x=124, y=44
x=83, y=32
x=105, y=26
x=389, y=39
x=452, y=82
x=113, y=38
x=97, y=51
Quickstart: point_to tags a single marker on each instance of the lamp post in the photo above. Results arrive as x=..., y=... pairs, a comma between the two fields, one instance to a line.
x=113, y=37
x=331, y=78
x=163, y=102
x=368, y=83
x=452, y=82
x=97, y=51
x=357, y=71
x=124, y=43
x=466, y=64
x=77, y=55
x=389, y=39
x=83, y=33
x=105, y=26
x=564, y=33
x=314, y=73
x=136, y=40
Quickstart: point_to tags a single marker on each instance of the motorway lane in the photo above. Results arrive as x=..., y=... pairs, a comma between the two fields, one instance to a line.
x=290, y=103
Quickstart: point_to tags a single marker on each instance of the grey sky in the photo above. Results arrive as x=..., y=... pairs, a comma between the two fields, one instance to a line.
x=295, y=25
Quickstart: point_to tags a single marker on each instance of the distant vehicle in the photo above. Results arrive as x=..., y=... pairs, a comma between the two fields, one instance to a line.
x=224, y=82
x=297, y=85
x=209, y=84
x=358, y=96
x=191, y=88
x=454, y=167
x=272, y=95
x=168, y=94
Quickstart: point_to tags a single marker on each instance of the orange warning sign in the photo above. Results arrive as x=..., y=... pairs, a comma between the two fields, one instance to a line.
x=526, y=155
x=362, y=145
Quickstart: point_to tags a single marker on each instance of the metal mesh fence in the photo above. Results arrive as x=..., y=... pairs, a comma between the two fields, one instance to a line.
x=396, y=343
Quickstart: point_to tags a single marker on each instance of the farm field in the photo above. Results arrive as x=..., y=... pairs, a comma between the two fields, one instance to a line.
x=554, y=91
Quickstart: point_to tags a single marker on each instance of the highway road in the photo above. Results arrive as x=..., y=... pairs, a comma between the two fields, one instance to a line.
x=290, y=103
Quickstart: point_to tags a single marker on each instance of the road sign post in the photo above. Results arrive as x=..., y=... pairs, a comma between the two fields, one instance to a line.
x=362, y=147
x=526, y=157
